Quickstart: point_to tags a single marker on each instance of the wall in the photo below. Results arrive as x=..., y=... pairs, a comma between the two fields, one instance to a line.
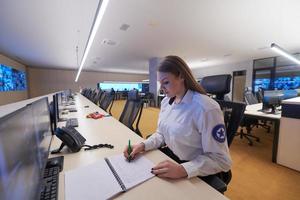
x=13, y=96
x=227, y=69
x=43, y=81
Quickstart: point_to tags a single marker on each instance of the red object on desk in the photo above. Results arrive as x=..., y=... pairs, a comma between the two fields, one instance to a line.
x=95, y=115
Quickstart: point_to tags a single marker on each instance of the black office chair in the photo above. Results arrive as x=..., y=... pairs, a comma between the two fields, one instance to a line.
x=96, y=97
x=233, y=114
x=107, y=101
x=250, y=122
x=148, y=99
x=260, y=95
x=132, y=111
x=217, y=85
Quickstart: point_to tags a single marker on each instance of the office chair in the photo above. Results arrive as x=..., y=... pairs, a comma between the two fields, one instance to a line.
x=132, y=111
x=97, y=97
x=148, y=99
x=107, y=101
x=217, y=85
x=233, y=114
x=250, y=122
x=260, y=95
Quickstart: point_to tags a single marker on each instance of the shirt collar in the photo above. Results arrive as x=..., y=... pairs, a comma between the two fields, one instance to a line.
x=187, y=98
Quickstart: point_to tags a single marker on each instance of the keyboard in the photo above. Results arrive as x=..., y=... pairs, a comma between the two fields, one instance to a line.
x=50, y=187
x=72, y=122
x=72, y=109
x=51, y=178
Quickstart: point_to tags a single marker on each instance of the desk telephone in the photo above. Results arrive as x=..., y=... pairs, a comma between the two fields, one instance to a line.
x=74, y=140
x=70, y=137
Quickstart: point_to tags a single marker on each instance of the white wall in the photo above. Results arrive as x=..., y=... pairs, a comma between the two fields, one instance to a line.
x=227, y=69
x=12, y=96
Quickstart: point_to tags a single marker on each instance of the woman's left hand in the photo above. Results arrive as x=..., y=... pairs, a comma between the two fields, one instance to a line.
x=169, y=169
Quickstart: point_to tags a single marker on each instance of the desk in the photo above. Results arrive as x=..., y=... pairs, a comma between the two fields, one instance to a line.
x=289, y=138
x=110, y=130
x=252, y=110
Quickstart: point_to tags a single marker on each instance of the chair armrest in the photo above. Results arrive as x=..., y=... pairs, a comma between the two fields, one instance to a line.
x=215, y=182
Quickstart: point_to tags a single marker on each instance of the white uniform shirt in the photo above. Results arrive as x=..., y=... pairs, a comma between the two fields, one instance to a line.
x=194, y=130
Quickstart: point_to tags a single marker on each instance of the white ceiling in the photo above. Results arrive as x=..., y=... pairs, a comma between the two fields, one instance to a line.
x=45, y=33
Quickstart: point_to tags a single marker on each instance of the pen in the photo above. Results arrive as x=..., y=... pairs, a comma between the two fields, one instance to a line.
x=129, y=150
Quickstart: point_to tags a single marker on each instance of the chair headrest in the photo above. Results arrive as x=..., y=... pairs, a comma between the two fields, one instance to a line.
x=133, y=95
x=218, y=84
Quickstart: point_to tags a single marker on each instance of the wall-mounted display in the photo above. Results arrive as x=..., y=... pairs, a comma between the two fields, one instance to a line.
x=282, y=75
x=12, y=79
x=119, y=86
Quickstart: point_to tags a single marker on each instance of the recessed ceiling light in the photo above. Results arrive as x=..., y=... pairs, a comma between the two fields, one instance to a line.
x=124, y=27
x=109, y=42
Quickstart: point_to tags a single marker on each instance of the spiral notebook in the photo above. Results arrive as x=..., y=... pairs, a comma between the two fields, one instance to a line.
x=106, y=178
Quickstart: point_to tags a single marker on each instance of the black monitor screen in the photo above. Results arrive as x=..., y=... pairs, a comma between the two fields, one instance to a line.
x=25, y=138
x=43, y=131
x=57, y=101
x=272, y=99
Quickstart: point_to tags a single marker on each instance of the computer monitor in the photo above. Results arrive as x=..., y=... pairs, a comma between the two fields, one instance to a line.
x=24, y=146
x=57, y=101
x=43, y=130
x=272, y=100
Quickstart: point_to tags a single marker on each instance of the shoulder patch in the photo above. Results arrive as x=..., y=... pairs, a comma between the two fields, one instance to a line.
x=219, y=133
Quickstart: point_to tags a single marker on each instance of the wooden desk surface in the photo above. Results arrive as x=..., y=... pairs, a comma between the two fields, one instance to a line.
x=110, y=130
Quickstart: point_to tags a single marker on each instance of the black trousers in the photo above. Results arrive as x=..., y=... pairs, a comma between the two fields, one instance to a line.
x=214, y=180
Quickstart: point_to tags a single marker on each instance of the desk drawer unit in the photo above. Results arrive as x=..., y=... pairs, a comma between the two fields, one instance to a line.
x=289, y=137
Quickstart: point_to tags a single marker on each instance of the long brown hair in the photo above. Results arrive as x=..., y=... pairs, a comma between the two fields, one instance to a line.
x=176, y=66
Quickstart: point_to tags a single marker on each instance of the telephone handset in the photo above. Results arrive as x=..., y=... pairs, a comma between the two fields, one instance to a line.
x=70, y=137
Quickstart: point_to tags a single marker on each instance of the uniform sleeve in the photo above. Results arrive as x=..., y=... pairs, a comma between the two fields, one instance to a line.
x=157, y=140
x=215, y=157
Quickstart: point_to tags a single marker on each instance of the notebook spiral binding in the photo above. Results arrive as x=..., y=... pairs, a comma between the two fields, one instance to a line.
x=116, y=175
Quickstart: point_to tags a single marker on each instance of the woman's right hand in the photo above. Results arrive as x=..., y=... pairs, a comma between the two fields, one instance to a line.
x=136, y=149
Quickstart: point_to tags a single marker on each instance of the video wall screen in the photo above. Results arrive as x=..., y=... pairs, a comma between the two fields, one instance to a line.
x=287, y=83
x=12, y=79
x=263, y=83
x=141, y=87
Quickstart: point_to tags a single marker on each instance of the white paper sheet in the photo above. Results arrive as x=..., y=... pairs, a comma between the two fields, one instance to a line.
x=133, y=172
x=94, y=181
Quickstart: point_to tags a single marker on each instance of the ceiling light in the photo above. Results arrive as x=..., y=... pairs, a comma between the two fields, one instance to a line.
x=124, y=27
x=109, y=42
x=100, y=12
x=284, y=53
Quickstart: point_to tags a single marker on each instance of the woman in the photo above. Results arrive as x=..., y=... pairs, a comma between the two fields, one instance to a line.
x=190, y=124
